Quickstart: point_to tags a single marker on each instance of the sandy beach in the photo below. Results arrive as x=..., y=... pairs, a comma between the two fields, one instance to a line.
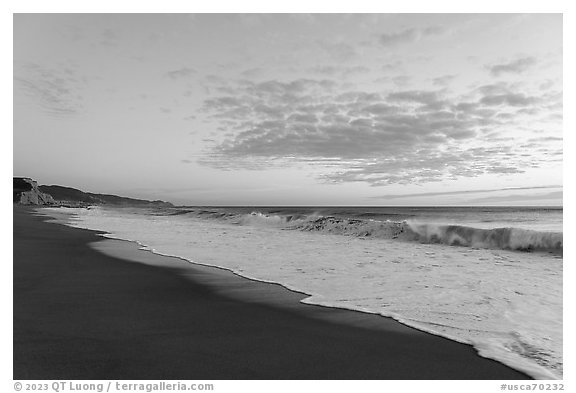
x=80, y=313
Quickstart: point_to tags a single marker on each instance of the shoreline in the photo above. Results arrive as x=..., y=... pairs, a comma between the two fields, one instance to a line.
x=76, y=308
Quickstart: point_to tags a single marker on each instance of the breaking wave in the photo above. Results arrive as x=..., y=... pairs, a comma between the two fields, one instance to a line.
x=498, y=238
x=273, y=220
x=454, y=235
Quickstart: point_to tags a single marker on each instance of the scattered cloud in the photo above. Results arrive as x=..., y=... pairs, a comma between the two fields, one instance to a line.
x=339, y=71
x=547, y=84
x=408, y=35
x=183, y=72
x=339, y=51
x=401, y=80
x=109, y=37
x=439, y=161
x=514, y=67
x=57, y=92
x=511, y=99
x=443, y=80
x=252, y=72
x=392, y=66
x=503, y=94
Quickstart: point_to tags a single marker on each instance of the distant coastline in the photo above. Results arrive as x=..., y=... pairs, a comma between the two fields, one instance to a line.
x=26, y=191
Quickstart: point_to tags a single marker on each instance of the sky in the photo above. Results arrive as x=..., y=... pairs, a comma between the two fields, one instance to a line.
x=293, y=109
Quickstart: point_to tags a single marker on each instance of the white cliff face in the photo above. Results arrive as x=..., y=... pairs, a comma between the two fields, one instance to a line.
x=33, y=196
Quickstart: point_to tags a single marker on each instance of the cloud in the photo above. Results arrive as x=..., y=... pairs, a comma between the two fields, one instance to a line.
x=443, y=80
x=403, y=136
x=392, y=66
x=502, y=94
x=510, y=99
x=252, y=72
x=514, y=67
x=555, y=196
x=401, y=80
x=408, y=35
x=339, y=51
x=466, y=192
x=419, y=96
x=57, y=92
x=435, y=163
x=183, y=72
x=546, y=139
x=339, y=71
x=547, y=84
x=109, y=37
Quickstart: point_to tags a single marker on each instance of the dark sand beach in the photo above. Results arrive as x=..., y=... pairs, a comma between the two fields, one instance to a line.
x=83, y=314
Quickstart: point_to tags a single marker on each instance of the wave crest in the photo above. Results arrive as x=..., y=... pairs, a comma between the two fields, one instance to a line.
x=354, y=227
x=499, y=238
x=272, y=220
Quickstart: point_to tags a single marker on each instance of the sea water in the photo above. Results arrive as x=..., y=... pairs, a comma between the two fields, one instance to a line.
x=489, y=277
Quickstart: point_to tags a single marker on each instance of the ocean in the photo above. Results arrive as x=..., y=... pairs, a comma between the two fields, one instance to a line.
x=487, y=276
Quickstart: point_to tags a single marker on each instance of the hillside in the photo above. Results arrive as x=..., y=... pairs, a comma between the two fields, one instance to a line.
x=73, y=195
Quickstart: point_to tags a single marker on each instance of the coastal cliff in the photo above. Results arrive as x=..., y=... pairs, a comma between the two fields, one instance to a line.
x=27, y=192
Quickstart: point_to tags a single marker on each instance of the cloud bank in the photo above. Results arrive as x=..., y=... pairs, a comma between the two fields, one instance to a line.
x=403, y=136
x=464, y=192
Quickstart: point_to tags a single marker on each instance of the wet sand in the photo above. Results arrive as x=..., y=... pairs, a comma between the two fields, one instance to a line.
x=111, y=311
